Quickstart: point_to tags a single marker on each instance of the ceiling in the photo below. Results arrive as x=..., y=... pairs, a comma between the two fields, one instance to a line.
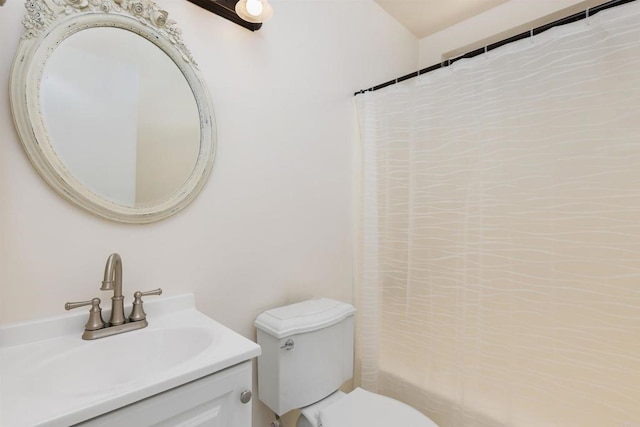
x=425, y=17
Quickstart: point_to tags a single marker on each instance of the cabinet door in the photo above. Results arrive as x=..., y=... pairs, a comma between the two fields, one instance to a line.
x=212, y=401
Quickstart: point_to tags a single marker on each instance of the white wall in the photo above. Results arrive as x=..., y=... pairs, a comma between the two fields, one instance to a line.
x=273, y=225
x=494, y=21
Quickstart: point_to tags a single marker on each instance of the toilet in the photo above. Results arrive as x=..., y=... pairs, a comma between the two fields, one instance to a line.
x=307, y=353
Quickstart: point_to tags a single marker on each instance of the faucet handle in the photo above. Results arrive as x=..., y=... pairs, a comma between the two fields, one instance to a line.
x=95, y=321
x=137, y=312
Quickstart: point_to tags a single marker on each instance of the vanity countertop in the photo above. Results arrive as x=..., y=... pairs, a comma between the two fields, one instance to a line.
x=51, y=377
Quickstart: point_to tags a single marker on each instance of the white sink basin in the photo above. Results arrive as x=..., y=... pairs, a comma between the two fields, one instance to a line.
x=84, y=369
x=46, y=365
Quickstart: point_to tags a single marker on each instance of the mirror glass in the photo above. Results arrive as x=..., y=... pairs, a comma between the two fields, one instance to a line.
x=120, y=116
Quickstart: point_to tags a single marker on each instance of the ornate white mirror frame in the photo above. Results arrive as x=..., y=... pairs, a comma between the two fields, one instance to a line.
x=47, y=24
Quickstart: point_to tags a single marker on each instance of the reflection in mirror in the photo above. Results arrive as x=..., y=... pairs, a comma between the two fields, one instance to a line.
x=120, y=116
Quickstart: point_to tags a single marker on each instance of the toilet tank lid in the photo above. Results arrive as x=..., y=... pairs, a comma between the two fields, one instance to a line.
x=306, y=316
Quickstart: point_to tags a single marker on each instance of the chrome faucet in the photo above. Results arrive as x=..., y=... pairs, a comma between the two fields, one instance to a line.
x=112, y=281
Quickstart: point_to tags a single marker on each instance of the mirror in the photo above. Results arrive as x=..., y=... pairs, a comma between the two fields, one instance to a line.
x=152, y=150
x=111, y=108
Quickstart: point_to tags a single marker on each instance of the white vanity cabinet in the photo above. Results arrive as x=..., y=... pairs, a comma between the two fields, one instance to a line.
x=183, y=370
x=212, y=401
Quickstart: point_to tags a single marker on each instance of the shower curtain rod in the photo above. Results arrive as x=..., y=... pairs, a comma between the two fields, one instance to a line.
x=572, y=18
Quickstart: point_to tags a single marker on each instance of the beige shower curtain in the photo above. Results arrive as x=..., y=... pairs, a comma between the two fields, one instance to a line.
x=499, y=241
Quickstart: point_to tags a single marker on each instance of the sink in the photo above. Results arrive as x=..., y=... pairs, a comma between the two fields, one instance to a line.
x=92, y=367
x=46, y=365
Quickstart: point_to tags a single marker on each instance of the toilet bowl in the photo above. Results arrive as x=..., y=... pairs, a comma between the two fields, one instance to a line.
x=361, y=408
x=307, y=354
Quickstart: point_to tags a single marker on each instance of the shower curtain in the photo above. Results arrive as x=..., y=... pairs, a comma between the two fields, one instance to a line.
x=499, y=238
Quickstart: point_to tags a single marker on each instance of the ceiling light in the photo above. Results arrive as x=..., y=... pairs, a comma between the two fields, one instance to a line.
x=255, y=11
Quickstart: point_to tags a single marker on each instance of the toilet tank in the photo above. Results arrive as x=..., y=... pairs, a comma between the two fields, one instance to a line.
x=307, y=352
